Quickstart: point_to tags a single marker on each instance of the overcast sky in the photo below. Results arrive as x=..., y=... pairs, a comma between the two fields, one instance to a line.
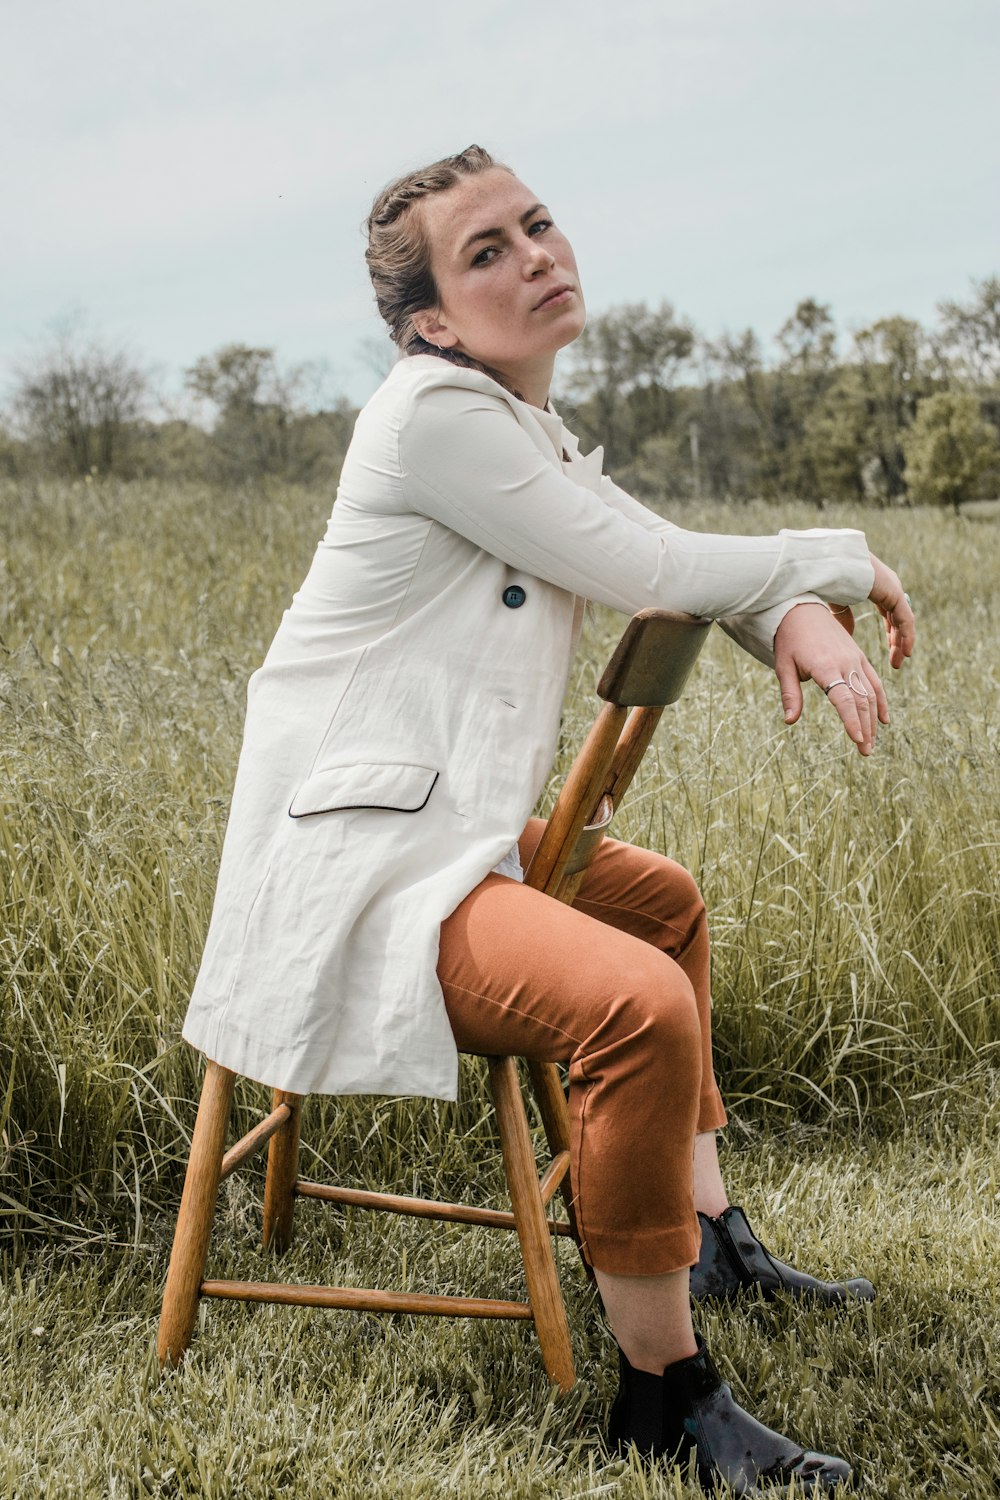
x=194, y=172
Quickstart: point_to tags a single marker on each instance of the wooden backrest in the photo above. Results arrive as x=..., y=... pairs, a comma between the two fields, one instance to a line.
x=653, y=660
x=647, y=670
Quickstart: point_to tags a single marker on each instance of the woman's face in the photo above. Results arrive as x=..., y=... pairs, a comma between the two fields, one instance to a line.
x=507, y=280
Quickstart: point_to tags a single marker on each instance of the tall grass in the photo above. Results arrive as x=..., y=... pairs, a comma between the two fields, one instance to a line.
x=854, y=914
x=854, y=904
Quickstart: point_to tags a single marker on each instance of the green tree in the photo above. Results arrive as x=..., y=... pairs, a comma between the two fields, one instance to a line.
x=622, y=373
x=711, y=449
x=777, y=400
x=742, y=362
x=892, y=360
x=172, y=449
x=264, y=421
x=948, y=449
x=808, y=341
x=834, y=440
x=971, y=332
x=76, y=403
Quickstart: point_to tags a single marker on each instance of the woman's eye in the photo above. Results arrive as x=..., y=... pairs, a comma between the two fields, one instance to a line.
x=539, y=226
x=484, y=256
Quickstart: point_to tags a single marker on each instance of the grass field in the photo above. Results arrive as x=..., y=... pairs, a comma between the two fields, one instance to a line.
x=855, y=921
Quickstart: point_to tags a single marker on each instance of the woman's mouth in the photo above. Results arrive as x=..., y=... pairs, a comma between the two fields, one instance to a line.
x=555, y=298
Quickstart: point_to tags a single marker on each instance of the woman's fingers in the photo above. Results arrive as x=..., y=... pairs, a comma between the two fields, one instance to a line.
x=856, y=710
x=881, y=701
x=787, y=670
x=900, y=632
x=867, y=699
x=808, y=645
x=890, y=600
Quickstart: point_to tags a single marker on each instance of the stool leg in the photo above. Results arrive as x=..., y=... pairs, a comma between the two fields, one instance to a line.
x=544, y=1293
x=282, y=1175
x=548, y=1090
x=194, y=1219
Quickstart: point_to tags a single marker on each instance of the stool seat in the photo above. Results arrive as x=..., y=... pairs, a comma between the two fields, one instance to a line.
x=647, y=671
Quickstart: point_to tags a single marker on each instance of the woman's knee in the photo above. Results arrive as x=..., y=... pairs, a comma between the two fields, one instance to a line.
x=647, y=894
x=653, y=1016
x=672, y=1026
x=680, y=893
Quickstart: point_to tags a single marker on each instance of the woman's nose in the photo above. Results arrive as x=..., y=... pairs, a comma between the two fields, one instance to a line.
x=536, y=257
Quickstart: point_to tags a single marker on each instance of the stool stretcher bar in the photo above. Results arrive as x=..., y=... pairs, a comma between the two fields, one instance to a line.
x=426, y=1208
x=361, y=1300
x=251, y=1143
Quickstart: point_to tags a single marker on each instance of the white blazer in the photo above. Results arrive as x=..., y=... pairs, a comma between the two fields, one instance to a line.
x=405, y=719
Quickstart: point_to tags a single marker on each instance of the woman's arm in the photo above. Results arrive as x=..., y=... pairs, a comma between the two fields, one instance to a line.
x=811, y=643
x=754, y=630
x=466, y=462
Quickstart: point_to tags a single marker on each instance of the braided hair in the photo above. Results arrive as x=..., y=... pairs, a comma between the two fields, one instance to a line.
x=399, y=256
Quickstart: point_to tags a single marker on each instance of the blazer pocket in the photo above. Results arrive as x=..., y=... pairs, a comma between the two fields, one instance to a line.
x=392, y=787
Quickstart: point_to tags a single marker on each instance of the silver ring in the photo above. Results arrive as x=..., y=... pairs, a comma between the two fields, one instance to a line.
x=861, y=691
x=837, y=682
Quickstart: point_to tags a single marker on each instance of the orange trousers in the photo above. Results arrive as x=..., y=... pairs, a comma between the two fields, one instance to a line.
x=617, y=988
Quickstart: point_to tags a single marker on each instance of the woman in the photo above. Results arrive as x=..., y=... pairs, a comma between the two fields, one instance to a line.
x=369, y=913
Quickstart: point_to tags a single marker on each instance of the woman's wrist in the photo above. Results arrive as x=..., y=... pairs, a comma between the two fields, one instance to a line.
x=886, y=588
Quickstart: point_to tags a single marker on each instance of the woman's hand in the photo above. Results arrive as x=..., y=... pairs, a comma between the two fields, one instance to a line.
x=811, y=643
x=892, y=604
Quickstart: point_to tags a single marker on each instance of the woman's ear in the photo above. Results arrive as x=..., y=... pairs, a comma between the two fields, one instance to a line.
x=430, y=328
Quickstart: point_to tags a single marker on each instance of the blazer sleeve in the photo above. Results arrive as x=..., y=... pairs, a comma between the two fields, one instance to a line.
x=753, y=630
x=466, y=461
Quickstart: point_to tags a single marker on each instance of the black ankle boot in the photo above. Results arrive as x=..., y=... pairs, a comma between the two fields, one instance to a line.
x=690, y=1409
x=733, y=1260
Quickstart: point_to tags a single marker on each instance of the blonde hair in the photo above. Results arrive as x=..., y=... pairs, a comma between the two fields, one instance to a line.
x=399, y=255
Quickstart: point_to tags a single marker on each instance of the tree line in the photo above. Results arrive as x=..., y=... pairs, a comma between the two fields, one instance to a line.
x=904, y=415
x=907, y=415
x=81, y=408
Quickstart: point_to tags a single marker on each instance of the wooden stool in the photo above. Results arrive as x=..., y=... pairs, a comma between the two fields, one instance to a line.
x=647, y=671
